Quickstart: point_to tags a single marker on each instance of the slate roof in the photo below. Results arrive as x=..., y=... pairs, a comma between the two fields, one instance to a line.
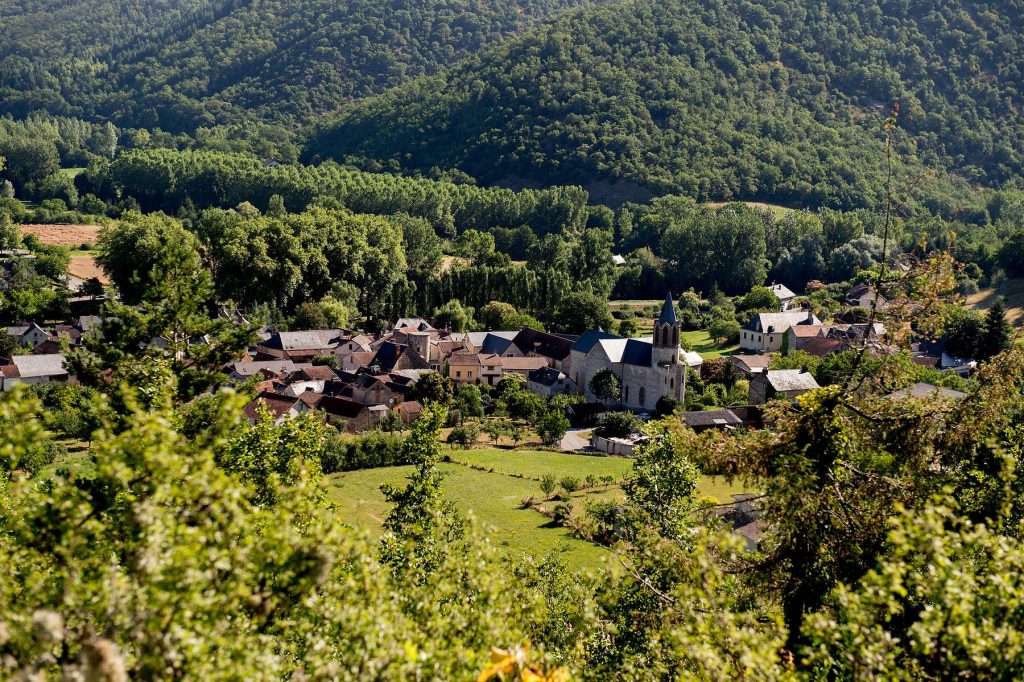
x=753, y=531
x=711, y=418
x=924, y=390
x=31, y=366
x=546, y=376
x=637, y=352
x=551, y=346
x=417, y=323
x=248, y=369
x=778, y=323
x=668, y=312
x=783, y=380
x=590, y=338
x=495, y=343
x=310, y=339
x=340, y=407
x=389, y=354
x=782, y=292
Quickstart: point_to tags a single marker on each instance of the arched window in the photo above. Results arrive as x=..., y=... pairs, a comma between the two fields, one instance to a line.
x=641, y=396
x=672, y=382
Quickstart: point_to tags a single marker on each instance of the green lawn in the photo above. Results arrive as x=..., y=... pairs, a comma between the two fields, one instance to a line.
x=700, y=342
x=494, y=498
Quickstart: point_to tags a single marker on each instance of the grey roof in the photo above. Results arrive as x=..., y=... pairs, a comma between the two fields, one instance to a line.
x=310, y=339
x=17, y=329
x=668, y=312
x=613, y=348
x=782, y=292
x=778, y=323
x=783, y=380
x=637, y=352
x=590, y=338
x=712, y=418
x=924, y=390
x=417, y=322
x=248, y=369
x=546, y=376
x=39, y=365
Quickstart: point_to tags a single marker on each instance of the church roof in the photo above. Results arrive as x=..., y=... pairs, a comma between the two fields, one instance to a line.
x=668, y=312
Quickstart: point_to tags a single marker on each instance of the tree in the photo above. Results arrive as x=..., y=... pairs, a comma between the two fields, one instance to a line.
x=760, y=298
x=605, y=385
x=455, y=316
x=628, y=328
x=10, y=233
x=432, y=387
x=579, y=311
x=996, y=333
x=422, y=525
x=552, y=427
x=309, y=316
x=619, y=424
x=468, y=402
x=724, y=330
x=663, y=484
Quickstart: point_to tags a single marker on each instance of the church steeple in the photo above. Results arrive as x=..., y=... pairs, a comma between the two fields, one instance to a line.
x=666, y=333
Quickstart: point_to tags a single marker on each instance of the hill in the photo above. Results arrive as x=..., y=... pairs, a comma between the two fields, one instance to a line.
x=180, y=65
x=777, y=101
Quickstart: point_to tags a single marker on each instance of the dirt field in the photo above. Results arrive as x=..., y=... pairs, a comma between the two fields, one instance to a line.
x=69, y=235
x=85, y=267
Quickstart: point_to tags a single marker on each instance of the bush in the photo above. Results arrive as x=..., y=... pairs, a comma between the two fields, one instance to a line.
x=464, y=436
x=618, y=425
x=371, y=450
x=570, y=484
x=547, y=484
x=552, y=427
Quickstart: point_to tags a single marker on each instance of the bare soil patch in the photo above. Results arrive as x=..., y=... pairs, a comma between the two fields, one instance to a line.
x=67, y=235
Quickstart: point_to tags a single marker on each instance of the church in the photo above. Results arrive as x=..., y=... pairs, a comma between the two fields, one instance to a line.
x=647, y=368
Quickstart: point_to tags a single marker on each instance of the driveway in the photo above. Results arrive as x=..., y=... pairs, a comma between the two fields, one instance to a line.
x=572, y=442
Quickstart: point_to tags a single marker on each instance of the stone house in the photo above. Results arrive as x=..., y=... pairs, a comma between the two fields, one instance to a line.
x=33, y=369
x=779, y=384
x=548, y=382
x=766, y=331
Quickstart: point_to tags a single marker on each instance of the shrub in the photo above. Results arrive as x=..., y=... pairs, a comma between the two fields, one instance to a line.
x=547, y=484
x=618, y=425
x=570, y=484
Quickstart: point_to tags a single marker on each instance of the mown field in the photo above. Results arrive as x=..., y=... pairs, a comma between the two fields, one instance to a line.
x=1013, y=298
x=494, y=497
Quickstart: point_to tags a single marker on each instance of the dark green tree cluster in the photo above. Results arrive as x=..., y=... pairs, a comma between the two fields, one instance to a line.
x=719, y=99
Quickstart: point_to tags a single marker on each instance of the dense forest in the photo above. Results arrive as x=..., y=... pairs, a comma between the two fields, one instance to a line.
x=716, y=99
x=180, y=66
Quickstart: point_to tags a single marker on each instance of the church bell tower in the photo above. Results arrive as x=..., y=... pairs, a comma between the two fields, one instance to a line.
x=666, y=335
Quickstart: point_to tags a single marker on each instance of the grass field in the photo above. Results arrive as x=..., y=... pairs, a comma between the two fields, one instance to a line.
x=1013, y=295
x=495, y=498
x=700, y=342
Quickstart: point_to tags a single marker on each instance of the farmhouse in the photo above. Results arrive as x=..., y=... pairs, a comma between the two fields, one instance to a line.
x=777, y=384
x=32, y=369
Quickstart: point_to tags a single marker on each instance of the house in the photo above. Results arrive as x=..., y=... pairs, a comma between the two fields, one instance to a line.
x=537, y=344
x=799, y=335
x=711, y=419
x=279, y=407
x=547, y=382
x=33, y=369
x=242, y=371
x=464, y=368
x=393, y=357
x=765, y=331
x=29, y=335
x=648, y=369
x=863, y=295
x=784, y=294
x=522, y=366
x=355, y=361
x=779, y=384
x=491, y=369
x=821, y=346
x=347, y=414
x=925, y=391
x=372, y=389
x=357, y=344
x=300, y=345
x=408, y=411
x=749, y=365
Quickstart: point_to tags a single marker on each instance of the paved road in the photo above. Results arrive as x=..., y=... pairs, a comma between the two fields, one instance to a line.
x=572, y=441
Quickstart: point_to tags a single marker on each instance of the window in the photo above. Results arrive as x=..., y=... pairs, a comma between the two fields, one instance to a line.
x=641, y=396
x=672, y=382
x=458, y=374
x=625, y=395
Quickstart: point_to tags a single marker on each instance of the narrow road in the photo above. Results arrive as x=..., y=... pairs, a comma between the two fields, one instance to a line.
x=572, y=441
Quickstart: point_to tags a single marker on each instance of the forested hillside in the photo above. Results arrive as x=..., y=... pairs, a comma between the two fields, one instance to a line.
x=182, y=65
x=722, y=99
